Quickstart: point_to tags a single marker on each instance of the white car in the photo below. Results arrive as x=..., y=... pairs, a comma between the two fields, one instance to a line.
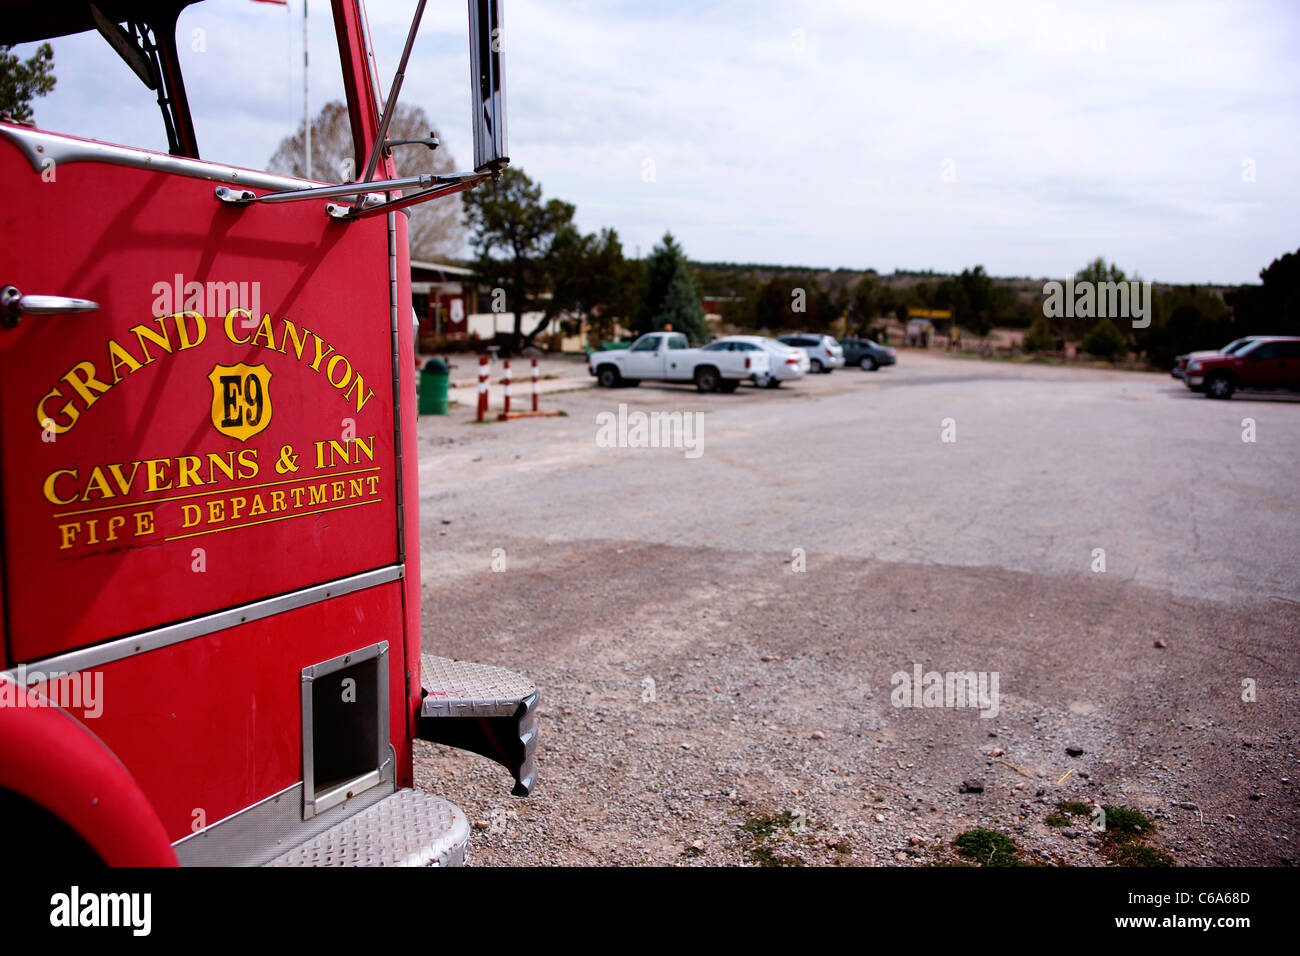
x=788, y=362
x=668, y=357
x=825, y=354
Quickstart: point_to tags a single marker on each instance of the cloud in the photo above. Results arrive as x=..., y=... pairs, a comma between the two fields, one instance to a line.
x=1025, y=136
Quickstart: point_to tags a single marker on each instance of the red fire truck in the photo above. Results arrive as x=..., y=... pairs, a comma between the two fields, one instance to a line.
x=210, y=624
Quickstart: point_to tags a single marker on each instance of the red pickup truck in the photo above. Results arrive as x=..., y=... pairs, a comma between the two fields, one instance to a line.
x=1269, y=363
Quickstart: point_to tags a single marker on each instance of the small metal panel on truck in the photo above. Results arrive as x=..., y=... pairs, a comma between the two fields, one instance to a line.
x=218, y=430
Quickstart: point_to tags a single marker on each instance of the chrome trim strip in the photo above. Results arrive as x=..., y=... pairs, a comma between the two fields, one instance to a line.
x=41, y=147
x=123, y=647
x=270, y=827
x=394, y=312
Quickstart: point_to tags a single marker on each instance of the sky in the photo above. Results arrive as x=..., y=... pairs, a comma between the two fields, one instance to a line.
x=1028, y=137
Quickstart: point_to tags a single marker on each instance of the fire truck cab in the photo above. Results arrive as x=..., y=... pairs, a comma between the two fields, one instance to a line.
x=210, y=634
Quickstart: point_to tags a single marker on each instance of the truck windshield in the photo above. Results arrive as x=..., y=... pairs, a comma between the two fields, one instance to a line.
x=241, y=75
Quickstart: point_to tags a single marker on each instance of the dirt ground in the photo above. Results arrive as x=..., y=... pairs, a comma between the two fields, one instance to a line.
x=705, y=701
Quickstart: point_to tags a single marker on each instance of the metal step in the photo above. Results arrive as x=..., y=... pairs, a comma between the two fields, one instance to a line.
x=406, y=828
x=485, y=709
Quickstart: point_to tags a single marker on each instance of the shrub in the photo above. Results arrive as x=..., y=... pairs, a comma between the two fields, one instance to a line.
x=1040, y=337
x=1105, y=341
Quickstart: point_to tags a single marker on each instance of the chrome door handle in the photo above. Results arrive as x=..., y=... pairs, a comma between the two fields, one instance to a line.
x=14, y=305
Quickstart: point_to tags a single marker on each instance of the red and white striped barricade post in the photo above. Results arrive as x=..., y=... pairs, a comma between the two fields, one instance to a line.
x=482, y=387
x=507, y=415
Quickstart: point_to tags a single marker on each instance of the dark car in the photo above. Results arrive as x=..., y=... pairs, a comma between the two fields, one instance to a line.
x=867, y=354
x=1266, y=364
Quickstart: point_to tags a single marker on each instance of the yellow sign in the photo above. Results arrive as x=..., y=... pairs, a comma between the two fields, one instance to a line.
x=241, y=399
x=929, y=313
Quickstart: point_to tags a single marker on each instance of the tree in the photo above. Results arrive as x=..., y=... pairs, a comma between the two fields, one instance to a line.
x=1272, y=308
x=516, y=237
x=21, y=81
x=1185, y=318
x=1105, y=341
x=590, y=276
x=977, y=302
x=435, y=230
x=671, y=297
x=1040, y=337
x=869, y=298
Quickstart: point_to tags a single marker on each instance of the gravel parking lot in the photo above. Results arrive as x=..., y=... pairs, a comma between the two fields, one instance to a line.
x=716, y=636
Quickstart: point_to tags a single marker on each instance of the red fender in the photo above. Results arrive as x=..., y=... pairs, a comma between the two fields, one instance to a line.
x=52, y=759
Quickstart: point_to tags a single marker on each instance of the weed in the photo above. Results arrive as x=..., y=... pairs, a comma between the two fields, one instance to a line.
x=988, y=848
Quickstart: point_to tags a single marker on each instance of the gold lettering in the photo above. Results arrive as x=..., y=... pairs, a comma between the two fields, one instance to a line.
x=291, y=332
x=226, y=466
x=124, y=483
x=119, y=357
x=315, y=365
x=68, y=409
x=51, y=493
x=264, y=333
x=97, y=482
x=359, y=386
x=249, y=462
x=161, y=338
x=230, y=326
x=188, y=468
x=84, y=382
x=201, y=330
x=156, y=468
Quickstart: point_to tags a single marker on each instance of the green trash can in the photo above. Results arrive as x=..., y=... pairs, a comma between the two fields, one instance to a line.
x=434, y=379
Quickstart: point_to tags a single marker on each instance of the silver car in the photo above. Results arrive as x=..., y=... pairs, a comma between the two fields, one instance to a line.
x=824, y=353
x=788, y=361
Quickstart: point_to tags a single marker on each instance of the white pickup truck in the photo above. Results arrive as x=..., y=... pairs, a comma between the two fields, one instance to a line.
x=668, y=357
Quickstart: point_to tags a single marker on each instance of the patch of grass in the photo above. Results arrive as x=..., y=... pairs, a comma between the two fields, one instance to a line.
x=1139, y=854
x=988, y=848
x=764, y=832
x=1075, y=809
x=1124, y=842
x=1124, y=825
x=1057, y=820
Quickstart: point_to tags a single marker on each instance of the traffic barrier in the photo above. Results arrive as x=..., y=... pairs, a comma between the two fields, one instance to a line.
x=506, y=414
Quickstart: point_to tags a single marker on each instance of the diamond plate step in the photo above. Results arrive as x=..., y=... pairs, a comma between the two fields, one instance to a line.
x=407, y=828
x=485, y=709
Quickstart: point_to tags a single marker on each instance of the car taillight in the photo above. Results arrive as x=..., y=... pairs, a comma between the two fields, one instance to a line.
x=830, y=354
x=746, y=362
x=792, y=361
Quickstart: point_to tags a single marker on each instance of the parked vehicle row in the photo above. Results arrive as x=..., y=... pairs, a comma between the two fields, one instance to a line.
x=726, y=362
x=668, y=357
x=1262, y=363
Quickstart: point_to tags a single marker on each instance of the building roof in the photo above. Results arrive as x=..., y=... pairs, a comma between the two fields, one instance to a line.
x=443, y=270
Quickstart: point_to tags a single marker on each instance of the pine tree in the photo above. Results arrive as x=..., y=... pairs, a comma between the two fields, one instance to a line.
x=671, y=297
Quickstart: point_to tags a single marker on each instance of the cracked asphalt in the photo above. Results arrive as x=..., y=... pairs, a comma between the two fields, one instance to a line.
x=694, y=681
